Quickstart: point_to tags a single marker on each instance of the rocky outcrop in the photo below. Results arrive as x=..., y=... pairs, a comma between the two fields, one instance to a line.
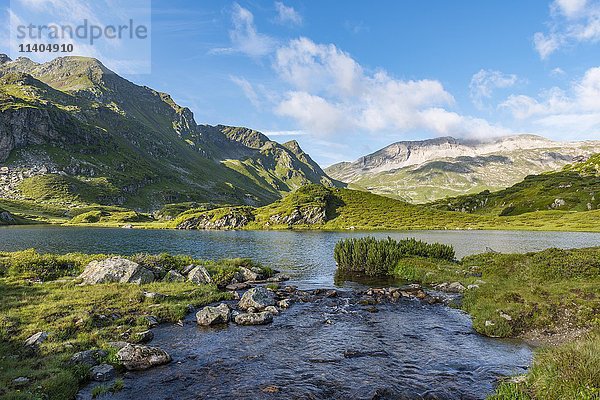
x=115, y=269
x=6, y=218
x=214, y=315
x=301, y=216
x=234, y=218
x=36, y=339
x=257, y=298
x=137, y=357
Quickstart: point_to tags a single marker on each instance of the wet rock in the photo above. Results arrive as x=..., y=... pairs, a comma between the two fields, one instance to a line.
x=115, y=269
x=36, y=339
x=137, y=357
x=199, y=275
x=261, y=318
x=237, y=286
x=272, y=309
x=270, y=389
x=285, y=303
x=331, y=293
x=102, y=373
x=258, y=298
x=173, y=276
x=214, y=315
x=88, y=357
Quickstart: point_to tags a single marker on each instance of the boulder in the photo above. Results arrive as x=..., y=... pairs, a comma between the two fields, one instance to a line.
x=36, y=339
x=214, y=315
x=102, y=373
x=257, y=298
x=173, y=276
x=272, y=309
x=199, y=275
x=88, y=357
x=135, y=357
x=261, y=318
x=151, y=320
x=116, y=269
x=246, y=274
x=454, y=287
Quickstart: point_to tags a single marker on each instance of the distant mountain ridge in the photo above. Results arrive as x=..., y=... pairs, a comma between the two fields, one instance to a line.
x=428, y=170
x=72, y=131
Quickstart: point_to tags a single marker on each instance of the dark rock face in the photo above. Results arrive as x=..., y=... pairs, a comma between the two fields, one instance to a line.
x=236, y=218
x=103, y=373
x=301, y=216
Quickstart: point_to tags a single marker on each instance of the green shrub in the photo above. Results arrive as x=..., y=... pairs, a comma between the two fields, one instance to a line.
x=379, y=257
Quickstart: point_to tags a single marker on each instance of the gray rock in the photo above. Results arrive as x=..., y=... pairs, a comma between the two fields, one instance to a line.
x=214, y=315
x=471, y=287
x=154, y=295
x=279, y=278
x=258, y=298
x=246, y=274
x=237, y=286
x=88, y=357
x=173, y=276
x=118, y=344
x=20, y=381
x=135, y=357
x=285, y=303
x=454, y=287
x=102, y=373
x=272, y=309
x=143, y=337
x=116, y=269
x=199, y=275
x=36, y=339
x=261, y=318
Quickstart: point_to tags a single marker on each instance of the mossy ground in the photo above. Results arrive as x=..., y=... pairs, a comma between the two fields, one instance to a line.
x=39, y=293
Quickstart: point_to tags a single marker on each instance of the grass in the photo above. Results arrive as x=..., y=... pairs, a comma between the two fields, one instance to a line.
x=39, y=293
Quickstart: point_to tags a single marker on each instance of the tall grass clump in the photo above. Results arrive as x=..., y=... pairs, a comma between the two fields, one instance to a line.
x=379, y=257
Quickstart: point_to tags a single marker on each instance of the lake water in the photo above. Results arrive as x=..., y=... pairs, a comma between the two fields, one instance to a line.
x=327, y=349
x=307, y=256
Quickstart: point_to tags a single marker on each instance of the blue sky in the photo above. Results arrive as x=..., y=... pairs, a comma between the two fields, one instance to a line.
x=345, y=78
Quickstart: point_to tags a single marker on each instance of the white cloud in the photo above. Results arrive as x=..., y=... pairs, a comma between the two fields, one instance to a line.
x=244, y=36
x=248, y=90
x=332, y=93
x=484, y=82
x=572, y=21
x=287, y=15
x=557, y=71
x=575, y=110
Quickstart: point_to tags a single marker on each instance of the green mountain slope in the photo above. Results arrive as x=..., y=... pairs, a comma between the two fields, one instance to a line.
x=575, y=188
x=425, y=171
x=73, y=133
x=318, y=207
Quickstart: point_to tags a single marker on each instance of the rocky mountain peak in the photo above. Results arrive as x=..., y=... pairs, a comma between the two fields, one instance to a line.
x=4, y=59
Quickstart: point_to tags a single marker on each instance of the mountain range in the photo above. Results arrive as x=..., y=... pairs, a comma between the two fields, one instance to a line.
x=73, y=132
x=429, y=170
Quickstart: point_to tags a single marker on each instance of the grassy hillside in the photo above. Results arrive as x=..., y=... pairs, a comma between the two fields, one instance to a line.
x=576, y=188
x=318, y=207
x=78, y=134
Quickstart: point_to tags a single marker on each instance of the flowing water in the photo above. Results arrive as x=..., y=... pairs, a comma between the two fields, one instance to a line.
x=331, y=348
